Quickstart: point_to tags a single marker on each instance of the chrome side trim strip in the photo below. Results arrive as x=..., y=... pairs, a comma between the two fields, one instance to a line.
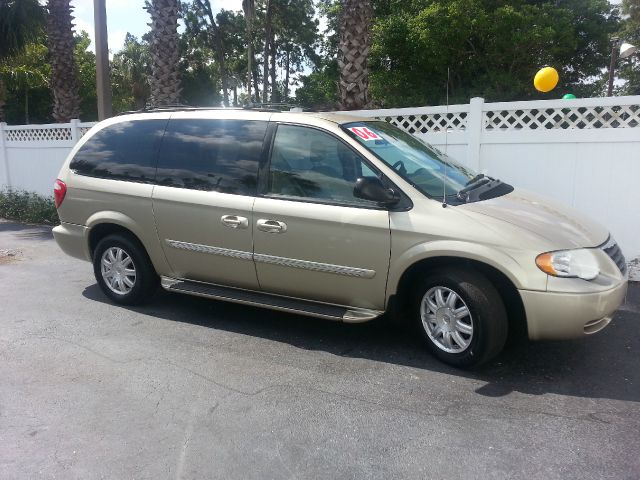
x=195, y=247
x=315, y=266
x=274, y=260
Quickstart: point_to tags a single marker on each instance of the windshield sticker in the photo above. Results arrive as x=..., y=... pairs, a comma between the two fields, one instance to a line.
x=365, y=134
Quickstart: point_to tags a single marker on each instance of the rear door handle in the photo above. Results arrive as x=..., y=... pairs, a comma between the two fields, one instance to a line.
x=234, y=221
x=271, y=226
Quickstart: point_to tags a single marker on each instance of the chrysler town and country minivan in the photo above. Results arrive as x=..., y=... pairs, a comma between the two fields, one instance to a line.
x=331, y=216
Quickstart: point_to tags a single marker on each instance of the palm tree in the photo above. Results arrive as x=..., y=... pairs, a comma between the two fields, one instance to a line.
x=163, y=46
x=131, y=72
x=21, y=21
x=26, y=70
x=355, y=43
x=64, y=76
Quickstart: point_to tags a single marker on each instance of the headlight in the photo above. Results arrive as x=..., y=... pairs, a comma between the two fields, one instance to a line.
x=580, y=263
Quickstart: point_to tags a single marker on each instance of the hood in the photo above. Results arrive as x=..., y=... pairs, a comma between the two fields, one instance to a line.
x=562, y=226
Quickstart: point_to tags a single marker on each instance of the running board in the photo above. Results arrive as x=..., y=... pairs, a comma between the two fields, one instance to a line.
x=274, y=302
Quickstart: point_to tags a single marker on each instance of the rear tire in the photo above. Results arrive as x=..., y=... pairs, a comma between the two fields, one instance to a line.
x=461, y=315
x=123, y=270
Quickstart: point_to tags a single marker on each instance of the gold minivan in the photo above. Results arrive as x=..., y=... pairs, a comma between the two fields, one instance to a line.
x=331, y=216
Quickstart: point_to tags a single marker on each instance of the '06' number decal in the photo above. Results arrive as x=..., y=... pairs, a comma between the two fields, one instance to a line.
x=365, y=134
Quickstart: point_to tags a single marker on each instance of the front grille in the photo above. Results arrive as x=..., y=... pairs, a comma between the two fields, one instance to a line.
x=612, y=249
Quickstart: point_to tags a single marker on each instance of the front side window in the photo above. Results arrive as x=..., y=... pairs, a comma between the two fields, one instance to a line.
x=122, y=151
x=212, y=155
x=307, y=163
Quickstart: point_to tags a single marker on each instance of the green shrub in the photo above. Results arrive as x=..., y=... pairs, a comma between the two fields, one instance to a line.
x=27, y=207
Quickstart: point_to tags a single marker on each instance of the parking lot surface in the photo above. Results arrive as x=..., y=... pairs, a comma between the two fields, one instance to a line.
x=191, y=388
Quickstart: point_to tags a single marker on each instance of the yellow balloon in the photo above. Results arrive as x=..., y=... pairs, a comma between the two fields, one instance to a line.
x=546, y=79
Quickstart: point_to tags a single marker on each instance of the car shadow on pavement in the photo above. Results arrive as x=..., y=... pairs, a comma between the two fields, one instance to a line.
x=600, y=366
x=26, y=231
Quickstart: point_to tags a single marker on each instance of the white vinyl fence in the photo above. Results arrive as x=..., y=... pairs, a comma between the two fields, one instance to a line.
x=584, y=153
x=31, y=155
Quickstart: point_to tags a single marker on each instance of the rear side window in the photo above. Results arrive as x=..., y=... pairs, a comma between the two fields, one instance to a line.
x=123, y=151
x=212, y=155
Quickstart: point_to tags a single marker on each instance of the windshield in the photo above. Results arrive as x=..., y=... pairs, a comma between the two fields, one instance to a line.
x=426, y=168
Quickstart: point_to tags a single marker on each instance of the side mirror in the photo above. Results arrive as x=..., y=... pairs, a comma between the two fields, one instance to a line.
x=372, y=188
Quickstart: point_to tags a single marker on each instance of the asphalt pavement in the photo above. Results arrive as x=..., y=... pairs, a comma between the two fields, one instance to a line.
x=189, y=388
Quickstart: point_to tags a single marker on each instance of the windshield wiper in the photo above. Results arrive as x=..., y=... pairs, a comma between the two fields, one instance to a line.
x=477, y=182
x=475, y=179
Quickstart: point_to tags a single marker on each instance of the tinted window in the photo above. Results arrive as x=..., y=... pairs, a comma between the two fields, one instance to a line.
x=309, y=163
x=219, y=155
x=124, y=151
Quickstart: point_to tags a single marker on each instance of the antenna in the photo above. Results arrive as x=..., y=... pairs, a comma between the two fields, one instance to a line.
x=446, y=130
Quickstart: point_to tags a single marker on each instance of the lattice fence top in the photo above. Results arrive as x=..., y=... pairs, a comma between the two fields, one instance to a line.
x=38, y=134
x=430, y=122
x=570, y=118
x=83, y=130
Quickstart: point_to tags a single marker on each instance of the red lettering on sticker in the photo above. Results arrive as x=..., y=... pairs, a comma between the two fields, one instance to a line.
x=365, y=134
x=370, y=134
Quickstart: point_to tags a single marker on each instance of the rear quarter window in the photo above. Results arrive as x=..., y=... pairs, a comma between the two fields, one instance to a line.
x=212, y=155
x=123, y=151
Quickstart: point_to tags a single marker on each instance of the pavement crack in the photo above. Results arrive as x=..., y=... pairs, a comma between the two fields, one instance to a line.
x=90, y=350
x=445, y=412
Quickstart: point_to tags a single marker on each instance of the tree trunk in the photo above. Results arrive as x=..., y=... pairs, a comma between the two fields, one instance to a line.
x=163, y=46
x=265, y=67
x=275, y=93
x=235, y=95
x=26, y=104
x=139, y=97
x=249, y=71
x=286, y=76
x=3, y=93
x=255, y=80
x=64, y=80
x=249, y=9
x=224, y=78
x=355, y=24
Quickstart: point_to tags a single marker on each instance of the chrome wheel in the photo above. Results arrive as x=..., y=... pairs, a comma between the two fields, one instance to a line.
x=118, y=270
x=446, y=319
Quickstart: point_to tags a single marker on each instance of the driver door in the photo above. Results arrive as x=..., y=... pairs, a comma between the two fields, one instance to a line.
x=312, y=238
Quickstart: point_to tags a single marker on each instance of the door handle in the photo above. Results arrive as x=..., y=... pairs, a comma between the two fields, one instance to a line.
x=271, y=226
x=233, y=221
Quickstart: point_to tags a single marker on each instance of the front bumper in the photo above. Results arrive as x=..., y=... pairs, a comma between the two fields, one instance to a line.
x=72, y=240
x=554, y=316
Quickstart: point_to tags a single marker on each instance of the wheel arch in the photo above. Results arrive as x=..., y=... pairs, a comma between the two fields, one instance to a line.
x=399, y=297
x=104, y=223
x=101, y=230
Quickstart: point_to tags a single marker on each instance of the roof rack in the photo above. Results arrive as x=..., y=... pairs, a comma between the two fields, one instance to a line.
x=174, y=108
x=275, y=107
x=260, y=107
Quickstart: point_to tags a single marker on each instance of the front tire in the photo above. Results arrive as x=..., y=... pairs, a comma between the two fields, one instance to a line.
x=461, y=315
x=123, y=270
